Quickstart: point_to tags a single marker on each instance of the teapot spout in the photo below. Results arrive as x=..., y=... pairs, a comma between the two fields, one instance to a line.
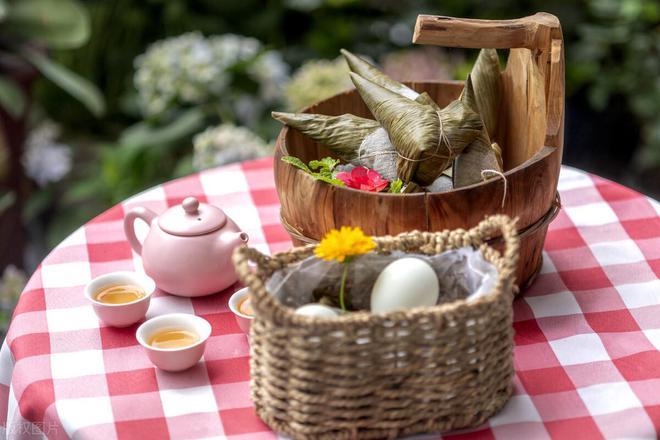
x=240, y=238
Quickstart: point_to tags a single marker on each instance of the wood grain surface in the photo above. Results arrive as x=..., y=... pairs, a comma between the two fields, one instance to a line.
x=530, y=134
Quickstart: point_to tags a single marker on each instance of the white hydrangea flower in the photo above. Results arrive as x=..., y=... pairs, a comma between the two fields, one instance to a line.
x=178, y=69
x=316, y=80
x=192, y=69
x=272, y=73
x=44, y=159
x=247, y=109
x=226, y=143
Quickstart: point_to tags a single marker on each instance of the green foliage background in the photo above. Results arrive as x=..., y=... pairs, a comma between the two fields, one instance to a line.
x=613, y=50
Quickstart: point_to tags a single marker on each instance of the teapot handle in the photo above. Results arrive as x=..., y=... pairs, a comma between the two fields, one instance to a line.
x=141, y=213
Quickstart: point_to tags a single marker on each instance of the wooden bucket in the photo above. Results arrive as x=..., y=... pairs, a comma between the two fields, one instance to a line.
x=531, y=133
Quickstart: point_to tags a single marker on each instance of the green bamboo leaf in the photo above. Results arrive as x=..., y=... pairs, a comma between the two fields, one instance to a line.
x=57, y=24
x=11, y=97
x=144, y=134
x=72, y=83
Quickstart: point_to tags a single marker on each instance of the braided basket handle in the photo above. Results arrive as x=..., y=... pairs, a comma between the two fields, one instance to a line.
x=497, y=226
x=487, y=229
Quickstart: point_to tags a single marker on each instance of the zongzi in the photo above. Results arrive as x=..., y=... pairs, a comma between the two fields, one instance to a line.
x=367, y=71
x=360, y=141
x=480, y=154
x=487, y=82
x=442, y=184
x=426, y=139
x=425, y=99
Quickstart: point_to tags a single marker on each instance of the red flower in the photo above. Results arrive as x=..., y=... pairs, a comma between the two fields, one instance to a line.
x=364, y=179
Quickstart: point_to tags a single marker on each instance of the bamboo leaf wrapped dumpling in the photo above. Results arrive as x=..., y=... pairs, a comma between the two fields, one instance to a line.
x=353, y=139
x=426, y=139
x=481, y=154
x=487, y=82
x=370, y=72
x=342, y=134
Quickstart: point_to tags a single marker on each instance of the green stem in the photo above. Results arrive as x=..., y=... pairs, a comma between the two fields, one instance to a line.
x=343, y=286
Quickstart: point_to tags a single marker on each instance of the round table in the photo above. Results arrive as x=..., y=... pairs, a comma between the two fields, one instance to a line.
x=587, y=331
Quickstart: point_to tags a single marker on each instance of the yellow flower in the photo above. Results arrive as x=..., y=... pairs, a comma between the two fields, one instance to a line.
x=343, y=244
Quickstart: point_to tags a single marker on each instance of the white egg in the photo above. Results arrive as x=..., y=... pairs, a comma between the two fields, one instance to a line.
x=318, y=310
x=404, y=284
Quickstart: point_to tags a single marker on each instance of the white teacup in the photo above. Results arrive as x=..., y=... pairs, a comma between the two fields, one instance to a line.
x=244, y=321
x=121, y=315
x=174, y=359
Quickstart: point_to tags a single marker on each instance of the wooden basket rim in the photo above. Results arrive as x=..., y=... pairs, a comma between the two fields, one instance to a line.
x=530, y=229
x=281, y=147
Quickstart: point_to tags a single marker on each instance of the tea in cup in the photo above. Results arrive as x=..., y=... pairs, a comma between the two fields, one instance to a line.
x=174, y=342
x=120, y=299
x=173, y=338
x=119, y=294
x=241, y=306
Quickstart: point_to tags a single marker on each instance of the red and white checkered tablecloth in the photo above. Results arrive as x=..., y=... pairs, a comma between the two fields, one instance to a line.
x=587, y=331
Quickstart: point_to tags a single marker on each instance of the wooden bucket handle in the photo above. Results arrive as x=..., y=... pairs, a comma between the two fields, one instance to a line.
x=533, y=32
x=541, y=33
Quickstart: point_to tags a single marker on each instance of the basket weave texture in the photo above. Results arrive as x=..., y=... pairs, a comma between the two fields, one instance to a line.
x=365, y=375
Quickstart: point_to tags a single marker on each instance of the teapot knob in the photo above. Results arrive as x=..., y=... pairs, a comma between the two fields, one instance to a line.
x=190, y=205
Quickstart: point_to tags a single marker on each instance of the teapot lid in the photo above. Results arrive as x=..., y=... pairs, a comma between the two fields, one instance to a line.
x=192, y=218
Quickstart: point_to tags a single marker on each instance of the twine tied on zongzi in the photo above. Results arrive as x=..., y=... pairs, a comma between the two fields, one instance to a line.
x=426, y=139
x=442, y=137
x=501, y=175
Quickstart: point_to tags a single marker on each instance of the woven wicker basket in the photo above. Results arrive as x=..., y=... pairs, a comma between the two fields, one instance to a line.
x=381, y=376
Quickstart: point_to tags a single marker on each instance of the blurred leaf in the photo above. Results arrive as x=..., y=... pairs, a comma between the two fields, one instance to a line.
x=184, y=167
x=11, y=97
x=72, y=83
x=36, y=204
x=462, y=70
x=651, y=11
x=68, y=220
x=58, y=24
x=6, y=200
x=3, y=10
x=83, y=190
x=341, y=3
x=631, y=9
x=145, y=134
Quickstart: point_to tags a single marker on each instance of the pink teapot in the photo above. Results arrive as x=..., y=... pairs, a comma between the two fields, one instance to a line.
x=188, y=248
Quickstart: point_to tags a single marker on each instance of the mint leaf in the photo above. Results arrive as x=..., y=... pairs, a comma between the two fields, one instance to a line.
x=292, y=160
x=324, y=166
x=395, y=186
x=330, y=180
